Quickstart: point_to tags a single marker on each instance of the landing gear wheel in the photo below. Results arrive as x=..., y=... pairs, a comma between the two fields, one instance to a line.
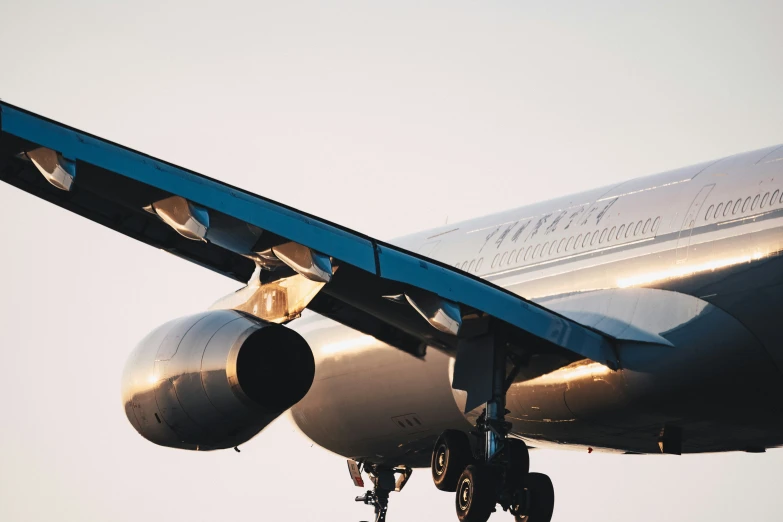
x=518, y=460
x=451, y=455
x=540, y=499
x=476, y=493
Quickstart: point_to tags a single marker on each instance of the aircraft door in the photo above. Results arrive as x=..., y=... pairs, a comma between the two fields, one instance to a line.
x=684, y=239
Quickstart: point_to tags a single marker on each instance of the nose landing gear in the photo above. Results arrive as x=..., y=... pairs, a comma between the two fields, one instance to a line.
x=499, y=470
x=384, y=483
x=379, y=499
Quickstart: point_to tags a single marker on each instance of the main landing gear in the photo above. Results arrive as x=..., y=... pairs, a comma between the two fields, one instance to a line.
x=480, y=484
x=498, y=472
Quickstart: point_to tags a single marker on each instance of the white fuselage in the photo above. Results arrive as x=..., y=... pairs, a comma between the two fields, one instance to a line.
x=689, y=257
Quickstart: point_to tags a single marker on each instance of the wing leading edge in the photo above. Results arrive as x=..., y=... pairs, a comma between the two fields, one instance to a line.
x=398, y=296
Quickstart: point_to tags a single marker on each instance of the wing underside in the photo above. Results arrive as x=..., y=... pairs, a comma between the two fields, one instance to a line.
x=404, y=299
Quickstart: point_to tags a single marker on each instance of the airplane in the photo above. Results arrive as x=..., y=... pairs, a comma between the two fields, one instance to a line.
x=637, y=318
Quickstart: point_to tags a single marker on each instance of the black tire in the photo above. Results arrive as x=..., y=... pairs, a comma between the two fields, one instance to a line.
x=476, y=493
x=518, y=459
x=541, y=495
x=450, y=456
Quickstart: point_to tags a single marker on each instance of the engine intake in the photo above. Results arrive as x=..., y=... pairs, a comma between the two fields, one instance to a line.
x=214, y=380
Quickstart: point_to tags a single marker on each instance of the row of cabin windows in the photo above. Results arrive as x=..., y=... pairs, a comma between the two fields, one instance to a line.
x=732, y=207
x=573, y=244
x=471, y=266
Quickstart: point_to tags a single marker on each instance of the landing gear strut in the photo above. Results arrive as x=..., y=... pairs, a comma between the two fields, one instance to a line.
x=384, y=482
x=498, y=472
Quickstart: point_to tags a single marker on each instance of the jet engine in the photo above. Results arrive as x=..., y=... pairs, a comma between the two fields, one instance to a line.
x=214, y=380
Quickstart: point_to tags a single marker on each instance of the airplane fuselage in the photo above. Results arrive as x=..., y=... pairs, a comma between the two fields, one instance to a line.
x=684, y=265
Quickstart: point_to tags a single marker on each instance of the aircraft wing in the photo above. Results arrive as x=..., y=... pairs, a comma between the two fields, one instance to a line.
x=287, y=257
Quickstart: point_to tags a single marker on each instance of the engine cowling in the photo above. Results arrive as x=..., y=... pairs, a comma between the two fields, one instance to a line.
x=214, y=380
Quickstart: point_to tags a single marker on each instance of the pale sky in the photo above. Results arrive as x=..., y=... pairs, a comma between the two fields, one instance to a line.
x=385, y=117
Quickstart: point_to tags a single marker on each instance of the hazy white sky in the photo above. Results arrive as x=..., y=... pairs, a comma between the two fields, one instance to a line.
x=385, y=117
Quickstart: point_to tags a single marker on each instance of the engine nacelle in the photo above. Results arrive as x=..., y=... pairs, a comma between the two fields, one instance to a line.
x=214, y=380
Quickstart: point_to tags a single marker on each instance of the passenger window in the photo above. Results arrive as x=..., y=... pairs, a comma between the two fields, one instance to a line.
x=764, y=201
x=647, y=226
x=464, y=265
x=755, y=202
x=535, y=252
x=637, y=229
x=656, y=223
x=570, y=243
x=727, y=209
x=611, y=233
x=630, y=227
x=718, y=210
x=503, y=259
x=620, y=232
x=737, y=206
x=595, y=238
x=478, y=265
x=527, y=252
x=603, y=235
x=745, y=205
x=544, y=250
x=560, y=245
x=587, y=240
x=709, y=211
x=774, y=198
x=511, y=257
x=495, y=260
x=470, y=266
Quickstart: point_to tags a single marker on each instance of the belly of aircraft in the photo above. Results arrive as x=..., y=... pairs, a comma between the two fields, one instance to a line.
x=717, y=388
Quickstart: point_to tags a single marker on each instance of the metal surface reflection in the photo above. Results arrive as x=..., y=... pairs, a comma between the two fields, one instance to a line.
x=214, y=380
x=187, y=219
x=277, y=301
x=442, y=314
x=686, y=270
x=306, y=262
x=57, y=170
